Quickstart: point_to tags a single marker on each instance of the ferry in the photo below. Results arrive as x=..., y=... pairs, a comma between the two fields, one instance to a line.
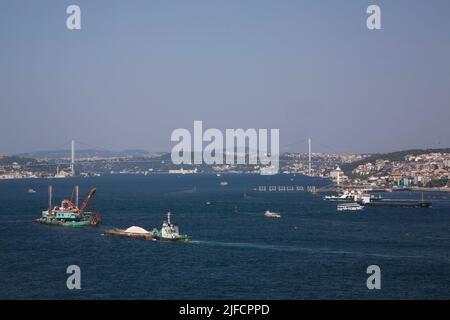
x=350, y=207
x=343, y=197
x=270, y=214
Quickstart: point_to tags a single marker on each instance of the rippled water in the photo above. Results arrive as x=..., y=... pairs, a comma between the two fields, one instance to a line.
x=311, y=252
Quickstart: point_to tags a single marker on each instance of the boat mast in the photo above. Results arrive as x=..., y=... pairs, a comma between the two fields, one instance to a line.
x=77, y=188
x=72, y=160
x=168, y=218
x=50, y=191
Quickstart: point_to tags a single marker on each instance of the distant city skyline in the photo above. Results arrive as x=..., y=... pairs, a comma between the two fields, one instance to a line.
x=138, y=70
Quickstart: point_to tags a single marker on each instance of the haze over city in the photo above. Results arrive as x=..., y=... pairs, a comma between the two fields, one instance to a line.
x=137, y=71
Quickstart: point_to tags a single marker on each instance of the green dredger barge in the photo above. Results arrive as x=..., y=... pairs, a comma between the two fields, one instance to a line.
x=68, y=214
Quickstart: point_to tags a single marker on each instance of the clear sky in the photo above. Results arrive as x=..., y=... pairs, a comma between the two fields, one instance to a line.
x=137, y=70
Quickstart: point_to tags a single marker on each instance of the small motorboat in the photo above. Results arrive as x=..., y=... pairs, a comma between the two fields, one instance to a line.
x=270, y=214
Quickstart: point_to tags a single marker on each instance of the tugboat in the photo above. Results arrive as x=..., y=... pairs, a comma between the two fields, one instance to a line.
x=171, y=232
x=68, y=214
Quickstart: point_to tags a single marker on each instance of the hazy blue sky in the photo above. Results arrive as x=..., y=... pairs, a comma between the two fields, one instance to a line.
x=140, y=69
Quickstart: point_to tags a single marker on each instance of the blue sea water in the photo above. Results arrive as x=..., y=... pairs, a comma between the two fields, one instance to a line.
x=312, y=252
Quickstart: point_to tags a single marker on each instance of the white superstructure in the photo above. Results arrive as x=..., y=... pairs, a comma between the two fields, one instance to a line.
x=349, y=207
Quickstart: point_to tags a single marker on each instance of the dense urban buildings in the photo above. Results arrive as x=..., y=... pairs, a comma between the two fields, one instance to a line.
x=428, y=169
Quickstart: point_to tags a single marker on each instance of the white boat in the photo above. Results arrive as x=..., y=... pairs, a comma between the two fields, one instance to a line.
x=170, y=231
x=272, y=214
x=224, y=183
x=31, y=191
x=342, y=197
x=349, y=207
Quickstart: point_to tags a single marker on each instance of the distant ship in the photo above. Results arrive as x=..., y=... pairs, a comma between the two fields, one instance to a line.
x=371, y=201
x=352, y=196
x=343, y=197
x=270, y=214
x=31, y=191
x=223, y=183
x=183, y=171
x=350, y=207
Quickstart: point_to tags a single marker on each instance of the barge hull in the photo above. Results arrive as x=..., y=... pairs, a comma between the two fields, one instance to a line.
x=397, y=204
x=123, y=234
x=89, y=219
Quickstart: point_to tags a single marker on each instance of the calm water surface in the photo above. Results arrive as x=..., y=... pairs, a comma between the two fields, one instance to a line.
x=311, y=252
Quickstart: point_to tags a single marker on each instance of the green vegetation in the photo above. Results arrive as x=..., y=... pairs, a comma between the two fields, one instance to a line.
x=9, y=160
x=392, y=156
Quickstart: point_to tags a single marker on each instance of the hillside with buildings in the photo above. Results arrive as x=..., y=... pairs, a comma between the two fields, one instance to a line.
x=420, y=168
x=412, y=168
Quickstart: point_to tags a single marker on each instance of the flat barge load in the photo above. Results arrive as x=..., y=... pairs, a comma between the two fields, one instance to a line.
x=132, y=232
x=68, y=214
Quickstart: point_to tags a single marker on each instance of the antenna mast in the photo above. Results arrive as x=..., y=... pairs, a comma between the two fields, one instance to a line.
x=309, y=156
x=72, y=161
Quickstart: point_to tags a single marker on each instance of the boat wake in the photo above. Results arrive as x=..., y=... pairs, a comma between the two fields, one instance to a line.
x=245, y=245
x=252, y=198
x=325, y=251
